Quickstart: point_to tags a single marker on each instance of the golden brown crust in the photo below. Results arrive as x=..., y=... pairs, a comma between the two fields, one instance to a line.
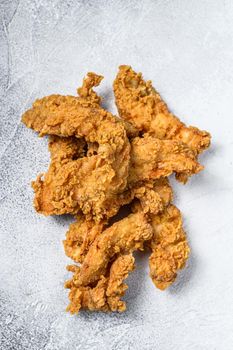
x=80, y=236
x=153, y=196
x=98, y=283
x=107, y=294
x=70, y=185
x=63, y=150
x=94, y=170
x=91, y=183
x=152, y=158
x=107, y=164
x=169, y=246
x=86, y=90
x=85, y=184
x=140, y=104
x=123, y=237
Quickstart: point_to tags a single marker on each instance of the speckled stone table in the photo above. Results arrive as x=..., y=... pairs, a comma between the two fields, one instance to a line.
x=186, y=48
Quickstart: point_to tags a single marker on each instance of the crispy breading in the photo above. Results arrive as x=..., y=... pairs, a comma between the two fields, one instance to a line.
x=108, y=164
x=123, y=237
x=86, y=90
x=119, y=271
x=96, y=285
x=99, y=163
x=169, y=245
x=67, y=116
x=85, y=184
x=70, y=186
x=152, y=158
x=106, y=295
x=80, y=236
x=153, y=196
x=64, y=149
x=140, y=104
x=91, y=183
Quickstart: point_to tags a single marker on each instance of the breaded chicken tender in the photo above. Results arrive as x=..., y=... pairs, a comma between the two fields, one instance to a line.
x=152, y=158
x=140, y=104
x=70, y=183
x=80, y=236
x=152, y=197
x=107, y=294
x=98, y=283
x=63, y=150
x=88, y=184
x=123, y=237
x=169, y=246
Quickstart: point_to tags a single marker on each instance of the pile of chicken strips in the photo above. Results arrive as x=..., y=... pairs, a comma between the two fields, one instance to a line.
x=101, y=162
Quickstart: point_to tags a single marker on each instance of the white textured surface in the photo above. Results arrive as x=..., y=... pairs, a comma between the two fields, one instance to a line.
x=186, y=48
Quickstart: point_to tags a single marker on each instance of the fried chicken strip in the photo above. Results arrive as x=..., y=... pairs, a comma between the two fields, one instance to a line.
x=86, y=91
x=123, y=237
x=106, y=295
x=152, y=158
x=170, y=251
x=152, y=197
x=57, y=190
x=84, y=184
x=169, y=246
x=71, y=185
x=62, y=150
x=168, y=243
x=90, y=183
x=61, y=192
x=98, y=283
x=80, y=236
x=119, y=271
x=140, y=104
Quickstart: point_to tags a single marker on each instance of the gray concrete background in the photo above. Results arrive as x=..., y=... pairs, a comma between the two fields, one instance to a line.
x=186, y=48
